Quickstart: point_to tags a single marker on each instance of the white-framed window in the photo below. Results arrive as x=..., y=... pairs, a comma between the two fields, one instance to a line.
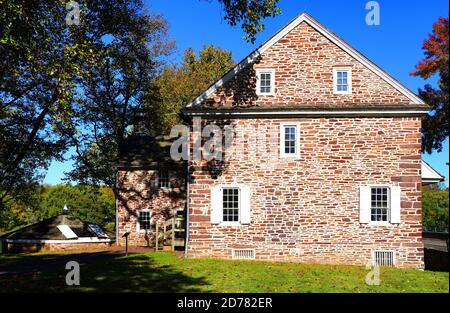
x=163, y=179
x=342, y=80
x=231, y=204
x=265, y=82
x=380, y=205
x=289, y=140
x=144, y=218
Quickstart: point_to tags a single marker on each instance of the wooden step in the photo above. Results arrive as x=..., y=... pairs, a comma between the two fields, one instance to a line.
x=178, y=242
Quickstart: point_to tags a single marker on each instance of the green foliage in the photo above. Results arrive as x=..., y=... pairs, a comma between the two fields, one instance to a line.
x=89, y=203
x=435, y=205
x=178, y=85
x=113, y=88
x=249, y=13
x=41, y=71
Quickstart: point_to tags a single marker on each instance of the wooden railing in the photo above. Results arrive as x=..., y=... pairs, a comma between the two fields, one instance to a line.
x=168, y=233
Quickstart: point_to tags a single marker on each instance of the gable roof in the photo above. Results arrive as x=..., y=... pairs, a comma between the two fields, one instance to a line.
x=145, y=152
x=304, y=17
x=430, y=175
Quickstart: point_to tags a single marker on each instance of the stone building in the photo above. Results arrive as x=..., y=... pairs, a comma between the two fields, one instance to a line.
x=324, y=164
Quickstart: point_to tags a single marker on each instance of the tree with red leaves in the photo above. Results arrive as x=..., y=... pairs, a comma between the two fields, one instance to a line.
x=435, y=126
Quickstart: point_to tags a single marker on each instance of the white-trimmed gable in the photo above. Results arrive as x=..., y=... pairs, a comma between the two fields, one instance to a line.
x=304, y=17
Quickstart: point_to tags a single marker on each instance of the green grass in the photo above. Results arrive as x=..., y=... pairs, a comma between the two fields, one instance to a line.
x=163, y=272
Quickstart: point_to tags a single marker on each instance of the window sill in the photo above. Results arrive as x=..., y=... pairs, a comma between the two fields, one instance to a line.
x=231, y=224
x=289, y=156
x=265, y=94
x=381, y=224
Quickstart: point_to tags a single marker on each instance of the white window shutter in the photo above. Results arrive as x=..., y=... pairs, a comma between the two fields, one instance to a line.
x=216, y=205
x=395, y=204
x=364, y=204
x=245, y=204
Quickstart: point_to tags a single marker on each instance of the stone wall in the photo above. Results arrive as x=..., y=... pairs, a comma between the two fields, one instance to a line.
x=55, y=247
x=137, y=191
x=303, y=62
x=307, y=209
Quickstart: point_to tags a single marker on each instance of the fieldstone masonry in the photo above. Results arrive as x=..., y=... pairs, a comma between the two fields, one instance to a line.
x=138, y=190
x=303, y=209
x=307, y=209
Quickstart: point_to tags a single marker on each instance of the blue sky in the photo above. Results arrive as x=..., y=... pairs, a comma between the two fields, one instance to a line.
x=395, y=45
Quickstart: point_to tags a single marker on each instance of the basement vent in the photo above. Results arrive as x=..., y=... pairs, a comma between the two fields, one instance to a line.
x=243, y=254
x=383, y=258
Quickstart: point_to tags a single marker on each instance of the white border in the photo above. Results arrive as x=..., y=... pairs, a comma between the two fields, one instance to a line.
x=138, y=224
x=260, y=71
x=381, y=223
x=234, y=186
x=284, y=155
x=349, y=80
x=304, y=17
x=158, y=178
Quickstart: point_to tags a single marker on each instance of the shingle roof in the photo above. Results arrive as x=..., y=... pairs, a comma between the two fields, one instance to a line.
x=143, y=151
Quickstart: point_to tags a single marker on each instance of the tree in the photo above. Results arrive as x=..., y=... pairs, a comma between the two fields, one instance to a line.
x=88, y=203
x=435, y=207
x=249, y=13
x=435, y=127
x=40, y=67
x=178, y=85
x=112, y=98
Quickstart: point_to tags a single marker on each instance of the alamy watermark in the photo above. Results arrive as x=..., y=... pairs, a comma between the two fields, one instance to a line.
x=373, y=16
x=373, y=277
x=73, y=16
x=223, y=142
x=73, y=276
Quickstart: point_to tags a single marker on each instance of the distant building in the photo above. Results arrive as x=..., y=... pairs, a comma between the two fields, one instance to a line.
x=61, y=232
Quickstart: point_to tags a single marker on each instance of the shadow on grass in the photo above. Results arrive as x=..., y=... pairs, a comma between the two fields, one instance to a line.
x=103, y=272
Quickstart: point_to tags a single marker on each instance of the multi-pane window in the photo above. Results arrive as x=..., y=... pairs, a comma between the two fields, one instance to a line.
x=265, y=83
x=144, y=220
x=379, y=207
x=163, y=178
x=230, y=204
x=342, y=81
x=290, y=139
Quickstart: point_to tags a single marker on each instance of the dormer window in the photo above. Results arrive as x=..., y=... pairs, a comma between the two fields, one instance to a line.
x=342, y=81
x=265, y=82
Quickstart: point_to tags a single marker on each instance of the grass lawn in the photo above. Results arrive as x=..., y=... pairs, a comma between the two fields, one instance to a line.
x=163, y=272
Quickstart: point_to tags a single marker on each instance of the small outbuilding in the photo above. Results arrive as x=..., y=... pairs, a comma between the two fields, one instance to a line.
x=58, y=233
